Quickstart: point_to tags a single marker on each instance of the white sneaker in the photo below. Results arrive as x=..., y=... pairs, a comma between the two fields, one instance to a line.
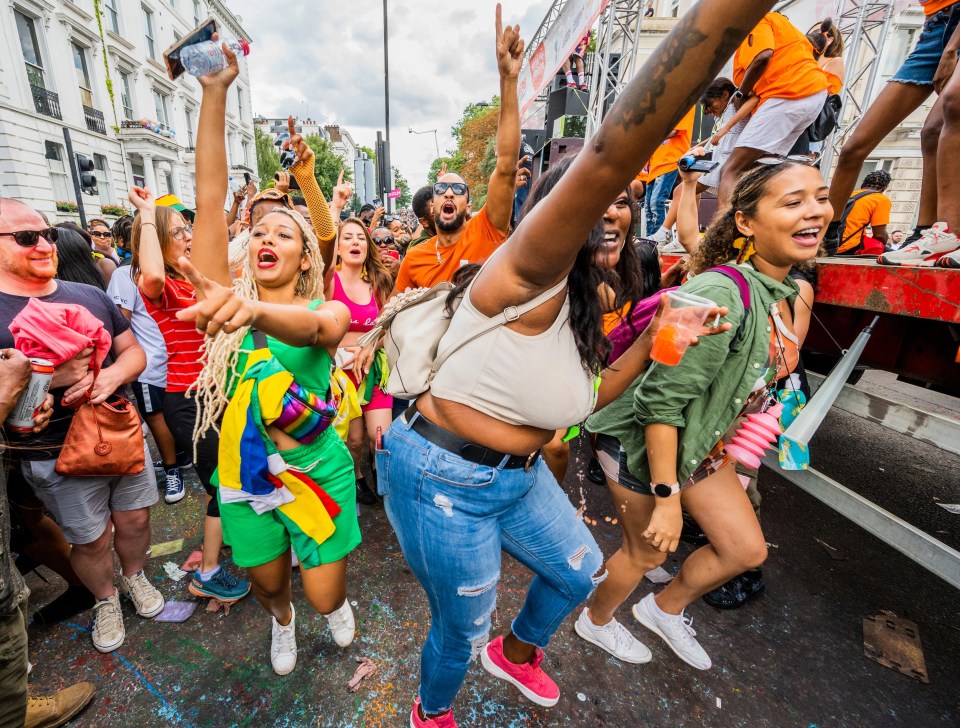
x=108, y=631
x=144, y=595
x=342, y=624
x=933, y=243
x=612, y=637
x=674, y=248
x=662, y=236
x=677, y=632
x=283, y=645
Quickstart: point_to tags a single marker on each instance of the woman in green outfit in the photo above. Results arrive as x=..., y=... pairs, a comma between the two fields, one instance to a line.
x=285, y=477
x=661, y=442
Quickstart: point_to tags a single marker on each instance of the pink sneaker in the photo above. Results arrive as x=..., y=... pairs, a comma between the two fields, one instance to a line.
x=443, y=721
x=528, y=678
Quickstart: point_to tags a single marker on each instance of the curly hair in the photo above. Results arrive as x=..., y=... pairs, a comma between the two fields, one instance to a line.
x=221, y=354
x=879, y=180
x=716, y=248
x=374, y=271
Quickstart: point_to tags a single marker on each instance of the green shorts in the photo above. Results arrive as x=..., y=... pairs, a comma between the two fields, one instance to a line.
x=258, y=539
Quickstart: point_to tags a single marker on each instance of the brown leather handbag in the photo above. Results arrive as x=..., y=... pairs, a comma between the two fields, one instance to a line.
x=104, y=439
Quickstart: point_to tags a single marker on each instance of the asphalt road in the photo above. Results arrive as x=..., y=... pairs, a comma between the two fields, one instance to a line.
x=793, y=657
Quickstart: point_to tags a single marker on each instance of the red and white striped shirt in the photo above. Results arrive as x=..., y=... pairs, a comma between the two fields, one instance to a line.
x=182, y=339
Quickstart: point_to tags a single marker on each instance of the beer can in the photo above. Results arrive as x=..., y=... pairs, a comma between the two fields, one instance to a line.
x=28, y=404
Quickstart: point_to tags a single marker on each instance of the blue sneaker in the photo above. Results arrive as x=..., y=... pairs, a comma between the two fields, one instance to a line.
x=174, y=488
x=223, y=586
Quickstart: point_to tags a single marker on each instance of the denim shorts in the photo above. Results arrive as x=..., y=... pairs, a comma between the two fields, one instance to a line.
x=921, y=65
x=616, y=461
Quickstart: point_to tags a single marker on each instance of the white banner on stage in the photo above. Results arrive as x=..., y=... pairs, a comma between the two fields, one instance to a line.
x=573, y=22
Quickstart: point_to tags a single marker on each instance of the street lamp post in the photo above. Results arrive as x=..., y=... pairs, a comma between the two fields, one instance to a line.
x=429, y=131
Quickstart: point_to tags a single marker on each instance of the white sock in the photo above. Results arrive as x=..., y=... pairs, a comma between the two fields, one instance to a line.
x=569, y=76
x=207, y=575
x=581, y=79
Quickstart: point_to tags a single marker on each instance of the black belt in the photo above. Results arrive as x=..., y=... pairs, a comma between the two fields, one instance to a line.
x=464, y=448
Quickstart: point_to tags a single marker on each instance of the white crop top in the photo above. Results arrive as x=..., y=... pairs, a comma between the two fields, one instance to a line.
x=535, y=381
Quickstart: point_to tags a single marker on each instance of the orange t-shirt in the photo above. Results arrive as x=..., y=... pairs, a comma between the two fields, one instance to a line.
x=420, y=268
x=669, y=152
x=930, y=7
x=612, y=319
x=792, y=72
x=868, y=211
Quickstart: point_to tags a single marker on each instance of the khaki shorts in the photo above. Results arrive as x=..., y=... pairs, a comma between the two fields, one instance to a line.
x=81, y=505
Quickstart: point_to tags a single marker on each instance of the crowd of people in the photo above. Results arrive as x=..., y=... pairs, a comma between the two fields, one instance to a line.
x=257, y=346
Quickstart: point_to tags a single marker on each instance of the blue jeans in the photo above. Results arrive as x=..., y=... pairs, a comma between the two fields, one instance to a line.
x=452, y=518
x=659, y=191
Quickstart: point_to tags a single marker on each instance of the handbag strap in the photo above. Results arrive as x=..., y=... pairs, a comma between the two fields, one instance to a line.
x=510, y=313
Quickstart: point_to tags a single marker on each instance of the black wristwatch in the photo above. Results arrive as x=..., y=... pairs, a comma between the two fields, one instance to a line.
x=665, y=490
x=738, y=94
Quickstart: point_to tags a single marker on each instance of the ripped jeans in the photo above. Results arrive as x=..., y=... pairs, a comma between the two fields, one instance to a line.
x=452, y=518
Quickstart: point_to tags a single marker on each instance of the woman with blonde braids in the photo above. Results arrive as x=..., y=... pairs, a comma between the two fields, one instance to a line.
x=285, y=476
x=662, y=440
x=363, y=284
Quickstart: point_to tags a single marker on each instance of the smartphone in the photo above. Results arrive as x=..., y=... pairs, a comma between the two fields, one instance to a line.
x=171, y=56
x=246, y=178
x=293, y=181
x=395, y=254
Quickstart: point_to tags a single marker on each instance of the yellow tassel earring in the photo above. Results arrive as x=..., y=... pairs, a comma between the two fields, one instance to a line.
x=746, y=248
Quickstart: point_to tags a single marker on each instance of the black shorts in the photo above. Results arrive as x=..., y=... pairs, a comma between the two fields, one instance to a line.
x=149, y=397
x=180, y=414
x=616, y=461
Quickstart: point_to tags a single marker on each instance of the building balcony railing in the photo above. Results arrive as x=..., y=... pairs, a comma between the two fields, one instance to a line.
x=46, y=102
x=94, y=119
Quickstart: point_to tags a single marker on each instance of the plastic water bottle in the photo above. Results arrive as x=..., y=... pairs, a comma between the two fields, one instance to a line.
x=207, y=57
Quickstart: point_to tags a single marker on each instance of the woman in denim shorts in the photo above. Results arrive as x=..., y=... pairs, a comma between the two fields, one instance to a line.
x=927, y=69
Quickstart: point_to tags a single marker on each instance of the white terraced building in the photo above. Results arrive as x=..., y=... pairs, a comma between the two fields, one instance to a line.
x=104, y=80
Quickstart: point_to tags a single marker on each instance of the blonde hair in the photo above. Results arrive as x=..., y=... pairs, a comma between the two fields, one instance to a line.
x=221, y=354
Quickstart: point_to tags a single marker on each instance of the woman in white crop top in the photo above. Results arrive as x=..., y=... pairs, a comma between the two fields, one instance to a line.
x=460, y=471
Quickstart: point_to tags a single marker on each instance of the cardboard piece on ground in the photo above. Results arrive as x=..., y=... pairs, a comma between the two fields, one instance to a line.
x=173, y=572
x=169, y=547
x=193, y=561
x=176, y=612
x=953, y=508
x=895, y=642
x=659, y=575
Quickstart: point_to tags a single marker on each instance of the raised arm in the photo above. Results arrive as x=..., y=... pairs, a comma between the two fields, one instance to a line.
x=545, y=244
x=208, y=252
x=320, y=216
x=502, y=185
x=149, y=253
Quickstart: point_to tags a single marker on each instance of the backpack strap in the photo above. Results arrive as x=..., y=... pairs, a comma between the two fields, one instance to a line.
x=510, y=313
x=737, y=277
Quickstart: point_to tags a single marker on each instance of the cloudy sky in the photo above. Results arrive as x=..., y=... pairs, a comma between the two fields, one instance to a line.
x=324, y=59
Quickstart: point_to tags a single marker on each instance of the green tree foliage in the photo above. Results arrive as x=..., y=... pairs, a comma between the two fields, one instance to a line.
x=268, y=159
x=471, y=112
x=405, y=196
x=328, y=165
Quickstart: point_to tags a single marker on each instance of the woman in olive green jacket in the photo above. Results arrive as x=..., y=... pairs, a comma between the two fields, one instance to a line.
x=661, y=441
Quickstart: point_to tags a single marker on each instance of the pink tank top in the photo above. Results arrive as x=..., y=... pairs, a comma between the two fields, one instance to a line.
x=362, y=315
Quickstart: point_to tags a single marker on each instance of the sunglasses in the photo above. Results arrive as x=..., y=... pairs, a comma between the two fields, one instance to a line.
x=384, y=241
x=29, y=238
x=799, y=158
x=459, y=188
x=180, y=233
x=100, y=235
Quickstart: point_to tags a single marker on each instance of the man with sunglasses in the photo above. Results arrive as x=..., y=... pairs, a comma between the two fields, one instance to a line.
x=458, y=240
x=387, y=248
x=88, y=509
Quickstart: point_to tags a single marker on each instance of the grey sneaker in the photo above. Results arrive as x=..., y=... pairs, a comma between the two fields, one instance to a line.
x=144, y=595
x=342, y=624
x=677, y=632
x=283, y=645
x=108, y=631
x=614, y=638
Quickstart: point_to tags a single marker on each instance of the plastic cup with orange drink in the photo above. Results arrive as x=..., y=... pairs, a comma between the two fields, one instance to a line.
x=683, y=315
